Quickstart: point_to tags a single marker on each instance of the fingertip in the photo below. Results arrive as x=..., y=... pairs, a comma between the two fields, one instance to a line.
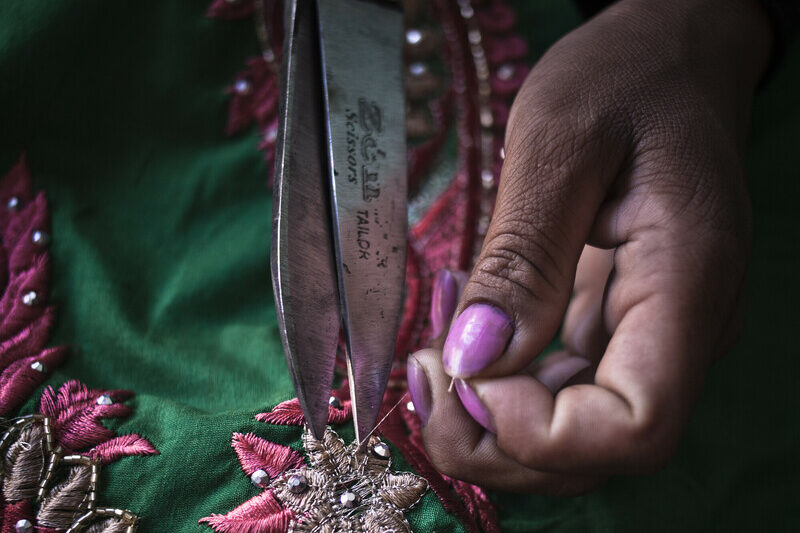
x=477, y=338
x=474, y=406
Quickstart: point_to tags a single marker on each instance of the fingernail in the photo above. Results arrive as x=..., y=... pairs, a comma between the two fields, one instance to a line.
x=444, y=298
x=554, y=376
x=474, y=405
x=477, y=337
x=419, y=390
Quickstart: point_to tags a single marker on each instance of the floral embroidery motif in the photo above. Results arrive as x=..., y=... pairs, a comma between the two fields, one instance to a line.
x=51, y=460
x=67, y=441
x=341, y=489
x=346, y=489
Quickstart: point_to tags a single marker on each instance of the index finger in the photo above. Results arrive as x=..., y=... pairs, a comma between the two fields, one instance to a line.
x=630, y=419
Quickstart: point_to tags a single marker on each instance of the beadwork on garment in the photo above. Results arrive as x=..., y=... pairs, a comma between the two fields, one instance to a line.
x=347, y=489
x=51, y=460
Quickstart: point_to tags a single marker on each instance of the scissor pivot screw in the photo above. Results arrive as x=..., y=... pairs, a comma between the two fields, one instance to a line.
x=334, y=402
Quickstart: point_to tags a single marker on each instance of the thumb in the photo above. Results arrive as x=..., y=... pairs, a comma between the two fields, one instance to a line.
x=555, y=176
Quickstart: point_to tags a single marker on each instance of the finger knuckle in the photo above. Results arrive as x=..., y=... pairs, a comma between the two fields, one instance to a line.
x=515, y=262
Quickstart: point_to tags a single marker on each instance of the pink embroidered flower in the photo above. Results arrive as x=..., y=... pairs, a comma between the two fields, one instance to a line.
x=341, y=489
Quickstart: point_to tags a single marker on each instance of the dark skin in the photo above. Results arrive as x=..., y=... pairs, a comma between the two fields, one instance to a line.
x=622, y=214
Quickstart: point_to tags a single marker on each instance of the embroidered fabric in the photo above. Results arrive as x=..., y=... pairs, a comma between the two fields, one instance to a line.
x=51, y=460
x=464, y=64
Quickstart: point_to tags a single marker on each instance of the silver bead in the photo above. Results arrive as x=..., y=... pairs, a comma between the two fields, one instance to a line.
x=474, y=37
x=411, y=407
x=487, y=120
x=104, y=399
x=271, y=134
x=40, y=237
x=30, y=298
x=348, y=499
x=242, y=87
x=259, y=478
x=13, y=203
x=417, y=68
x=502, y=152
x=39, y=366
x=382, y=450
x=297, y=483
x=466, y=11
x=506, y=72
x=334, y=402
x=23, y=526
x=413, y=36
x=487, y=179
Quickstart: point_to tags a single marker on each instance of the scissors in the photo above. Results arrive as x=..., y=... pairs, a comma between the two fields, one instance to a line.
x=339, y=232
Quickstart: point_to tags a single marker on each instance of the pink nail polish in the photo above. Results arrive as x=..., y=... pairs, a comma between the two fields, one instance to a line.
x=474, y=406
x=444, y=298
x=419, y=389
x=477, y=337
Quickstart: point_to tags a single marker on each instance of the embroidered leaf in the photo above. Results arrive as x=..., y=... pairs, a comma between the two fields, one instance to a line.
x=75, y=413
x=254, y=97
x=30, y=339
x=15, y=313
x=122, y=446
x=403, y=489
x=18, y=239
x=17, y=184
x=385, y=520
x=109, y=525
x=19, y=378
x=328, y=455
x=289, y=413
x=23, y=464
x=262, y=514
x=66, y=501
x=256, y=453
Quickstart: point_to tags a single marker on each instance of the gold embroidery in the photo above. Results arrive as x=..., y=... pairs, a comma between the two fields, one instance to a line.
x=63, y=485
x=347, y=489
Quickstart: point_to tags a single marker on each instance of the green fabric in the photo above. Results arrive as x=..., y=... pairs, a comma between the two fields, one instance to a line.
x=160, y=248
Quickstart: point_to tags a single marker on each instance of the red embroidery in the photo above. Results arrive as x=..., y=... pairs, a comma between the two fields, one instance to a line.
x=70, y=420
x=119, y=447
x=256, y=454
x=25, y=320
x=263, y=514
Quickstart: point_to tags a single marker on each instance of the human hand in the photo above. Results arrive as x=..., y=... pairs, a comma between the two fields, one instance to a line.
x=627, y=136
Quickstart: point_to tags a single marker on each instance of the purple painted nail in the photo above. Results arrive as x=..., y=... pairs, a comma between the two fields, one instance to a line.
x=444, y=299
x=554, y=375
x=477, y=337
x=474, y=406
x=419, y=389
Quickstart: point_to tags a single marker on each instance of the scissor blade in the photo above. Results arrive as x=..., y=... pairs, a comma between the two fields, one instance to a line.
x=303, y=270
x=362, y=45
